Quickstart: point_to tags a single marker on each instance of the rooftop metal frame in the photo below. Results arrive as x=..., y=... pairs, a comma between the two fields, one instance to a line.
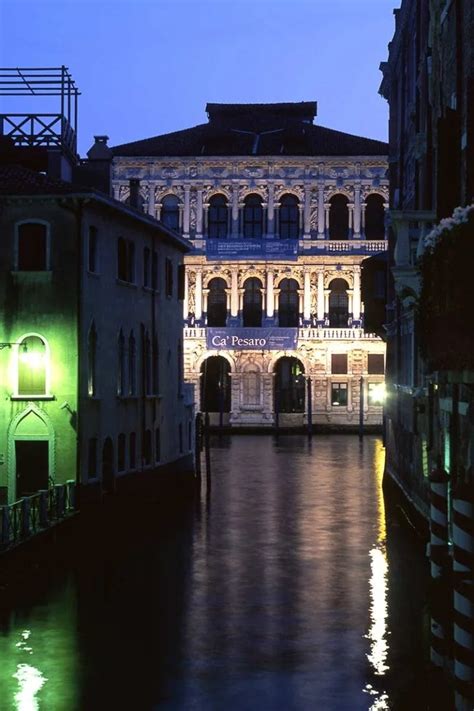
x=41, y=129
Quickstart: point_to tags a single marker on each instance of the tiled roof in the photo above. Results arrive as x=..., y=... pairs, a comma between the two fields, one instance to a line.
x=256, y=129
x=16, y=180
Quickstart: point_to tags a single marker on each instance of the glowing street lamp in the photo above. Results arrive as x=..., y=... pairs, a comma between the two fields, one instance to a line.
x=377, y=393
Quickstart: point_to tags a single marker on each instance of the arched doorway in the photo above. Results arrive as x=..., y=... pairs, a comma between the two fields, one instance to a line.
x=108, y=473
x=288, y=304
x=215, y=385
x=30, y=455
x=338, y=304
x=338, y=217
x=252, y=303
x=289, y=385
x=217, y=303
x=374, y=217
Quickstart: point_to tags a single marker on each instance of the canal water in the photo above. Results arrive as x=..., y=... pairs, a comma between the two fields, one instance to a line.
x=287, y=584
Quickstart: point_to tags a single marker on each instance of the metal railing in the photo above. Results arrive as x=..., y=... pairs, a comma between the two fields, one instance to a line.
x=48, y=130
x=36, y=513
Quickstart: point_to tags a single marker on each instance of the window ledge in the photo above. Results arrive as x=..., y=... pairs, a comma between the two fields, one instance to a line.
x=33, y=397
x=32, y=277
x=150, y=290
x=94, y=275
x=122, y=282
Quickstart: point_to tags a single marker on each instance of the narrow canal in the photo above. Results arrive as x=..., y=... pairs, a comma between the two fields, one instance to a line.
x=285, y=586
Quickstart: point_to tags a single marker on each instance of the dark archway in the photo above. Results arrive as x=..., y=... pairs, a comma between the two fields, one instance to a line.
x=289, y=217
x=218, y=217
x=215, y=385
x=108, y=469
x=338, y=217
x=217, y=303
x=288, y=304
x=375, y=217
x=253, y=216
x=252, y=303
x=290, y=385
x=338, y=304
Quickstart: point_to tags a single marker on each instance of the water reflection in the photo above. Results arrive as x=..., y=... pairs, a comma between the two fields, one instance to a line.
x=275, y=590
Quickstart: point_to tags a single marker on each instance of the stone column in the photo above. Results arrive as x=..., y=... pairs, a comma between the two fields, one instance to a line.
x=350, y=207
x=235, y=211
x=198, y=296
x=326, y=300
x=321, y=299
x=321, y=212
x=186, y=296
x=356, y=300
x=357, y=212
x=205, y=294
x=199, y=213
x=116, y=189
x=307, y=297
x=327, y=207
x=271, y=211
x=362, y=217
x=307, y=213
x=270, y=295
x=300, y=220
x=300, y=305
x=151, y=199
x=186, y=210
x=234, y=297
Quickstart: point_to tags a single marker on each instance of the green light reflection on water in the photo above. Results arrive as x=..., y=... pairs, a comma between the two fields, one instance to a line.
x=39, y=659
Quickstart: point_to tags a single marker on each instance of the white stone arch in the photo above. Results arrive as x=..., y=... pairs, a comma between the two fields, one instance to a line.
x=261, y=191
x=32, y=221
x=331, y=192
x=382, y=191
x=209, y=354
x=215, y=275
x=251, y=384
x=289, y=190
x=30, y=424
x=275, y=357
x=168, y=192
x=124, y=193
x=15, y=369
x=212, y=192
x=345, y=276
x=281, y=276
x=250, y=274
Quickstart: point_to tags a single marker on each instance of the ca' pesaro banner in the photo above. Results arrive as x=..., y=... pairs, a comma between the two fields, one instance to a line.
x=252, y=339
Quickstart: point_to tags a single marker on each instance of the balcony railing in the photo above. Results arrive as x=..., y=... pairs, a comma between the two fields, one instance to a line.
x=36, y=513
x=305, y=334
x=39, y=130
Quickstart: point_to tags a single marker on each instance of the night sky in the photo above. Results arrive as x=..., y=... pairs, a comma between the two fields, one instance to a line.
x=147, y=67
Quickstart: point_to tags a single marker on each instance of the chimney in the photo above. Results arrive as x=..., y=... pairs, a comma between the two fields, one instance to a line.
x=135, y=193
x=96, y=170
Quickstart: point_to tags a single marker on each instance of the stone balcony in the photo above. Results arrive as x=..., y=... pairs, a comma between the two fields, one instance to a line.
x=268, y=248
x=304, y=334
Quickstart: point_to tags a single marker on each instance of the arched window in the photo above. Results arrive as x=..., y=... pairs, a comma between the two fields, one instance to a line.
x=288, y=304
x=132, y=364
x=170, y=212
x=121, y=365
x=252, y=311
x=108, y=468
x=215, y=385
x=147, y=363
x=155, y=369
x=253, y=216
x=338, y=304
x=132, y=450
x=289, y=217
x=147, y=452
x=251, y=387
x=374, y=217
x=217, y=303
x=33, y=366
x=32, y=247
x=218, y=216
x=289, y=385
x=92, y=361
x=338, y=217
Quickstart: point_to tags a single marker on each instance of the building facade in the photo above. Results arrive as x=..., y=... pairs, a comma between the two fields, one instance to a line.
x=281, y=213
x=91, y=380
x=428, y=81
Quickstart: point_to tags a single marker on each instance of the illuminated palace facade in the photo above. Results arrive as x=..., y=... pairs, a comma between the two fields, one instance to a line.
x=281, y=213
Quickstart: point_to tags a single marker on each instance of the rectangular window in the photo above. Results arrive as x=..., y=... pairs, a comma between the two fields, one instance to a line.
x=169, y=277
x=133, y=450
x=339, y=363
x=92, y=256
x=92, y=458
x=157, y=444
x=146, y=267
x=131, y=263
x=339, y=394
x=375, y=364
x=181, y=273
x=32, y=247
x=154, y=271
x=121, y=452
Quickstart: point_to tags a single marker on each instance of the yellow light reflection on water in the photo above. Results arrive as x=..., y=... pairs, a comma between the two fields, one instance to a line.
x=378, y=633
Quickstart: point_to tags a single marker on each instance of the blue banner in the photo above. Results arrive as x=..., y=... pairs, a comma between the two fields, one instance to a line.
x=254, y=249
x=252, y=339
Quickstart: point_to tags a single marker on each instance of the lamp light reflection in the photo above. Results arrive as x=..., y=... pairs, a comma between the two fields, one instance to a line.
x=30, y=679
